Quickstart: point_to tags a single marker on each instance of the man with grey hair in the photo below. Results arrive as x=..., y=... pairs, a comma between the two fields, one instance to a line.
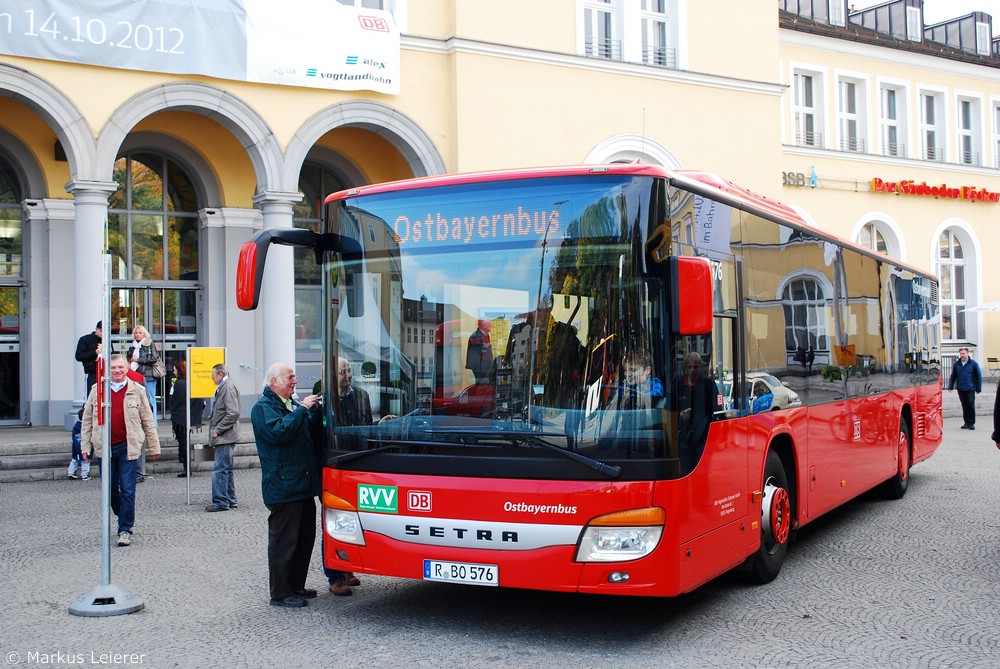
x=223, y=436
x=290, y=478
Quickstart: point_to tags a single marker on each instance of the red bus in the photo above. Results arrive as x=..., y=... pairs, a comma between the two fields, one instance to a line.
x=632, y=309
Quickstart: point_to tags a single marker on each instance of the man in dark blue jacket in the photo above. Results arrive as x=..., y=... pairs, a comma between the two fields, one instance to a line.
x=290, y=479
x=966, y=377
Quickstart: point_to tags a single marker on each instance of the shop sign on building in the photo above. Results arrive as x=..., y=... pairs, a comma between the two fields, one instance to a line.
x=911, y=187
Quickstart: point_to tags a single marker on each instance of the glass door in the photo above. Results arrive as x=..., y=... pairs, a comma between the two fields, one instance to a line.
x=11, y=411
x=168, y=314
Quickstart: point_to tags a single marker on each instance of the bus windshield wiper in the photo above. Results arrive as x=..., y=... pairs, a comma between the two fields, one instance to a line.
x=357, y=455
x=614, y=471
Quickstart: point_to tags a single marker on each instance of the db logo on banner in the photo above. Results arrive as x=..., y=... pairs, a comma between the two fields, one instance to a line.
x=418, y=500
x=375, y=23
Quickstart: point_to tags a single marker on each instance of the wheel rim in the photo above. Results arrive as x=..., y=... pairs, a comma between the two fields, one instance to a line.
x=903, y=457
x=775, y=515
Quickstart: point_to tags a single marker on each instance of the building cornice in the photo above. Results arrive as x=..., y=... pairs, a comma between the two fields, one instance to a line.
x=460, y=45
x=886, y=55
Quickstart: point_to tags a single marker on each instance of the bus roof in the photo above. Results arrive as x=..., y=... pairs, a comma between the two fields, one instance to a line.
x=707, y=183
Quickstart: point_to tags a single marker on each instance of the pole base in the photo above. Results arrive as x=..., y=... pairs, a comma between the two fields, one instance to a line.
x=106, y=600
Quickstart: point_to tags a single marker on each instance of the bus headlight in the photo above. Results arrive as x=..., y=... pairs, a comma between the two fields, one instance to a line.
x=344, y=526
x=341, y=520
x=622, y=536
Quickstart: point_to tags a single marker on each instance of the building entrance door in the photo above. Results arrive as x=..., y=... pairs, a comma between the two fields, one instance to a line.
x=11, y=409
x=170, y=316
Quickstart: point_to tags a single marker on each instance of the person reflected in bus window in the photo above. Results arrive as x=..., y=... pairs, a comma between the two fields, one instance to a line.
x=696, y=398
x=354, y=406
x=479, y=356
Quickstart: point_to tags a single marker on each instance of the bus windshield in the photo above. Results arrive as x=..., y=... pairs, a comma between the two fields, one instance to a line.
x=501, y=321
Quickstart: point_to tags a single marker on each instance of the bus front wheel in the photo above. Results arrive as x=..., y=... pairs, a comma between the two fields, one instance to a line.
x=896, y=486
x=775, y=523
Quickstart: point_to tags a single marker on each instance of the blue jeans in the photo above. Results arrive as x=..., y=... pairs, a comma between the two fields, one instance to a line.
x=122, y=474
x=223, y=484
x=151, y=394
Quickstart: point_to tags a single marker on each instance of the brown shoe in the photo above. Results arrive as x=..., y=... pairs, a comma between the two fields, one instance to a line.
x=341, y=589
x=351, y=579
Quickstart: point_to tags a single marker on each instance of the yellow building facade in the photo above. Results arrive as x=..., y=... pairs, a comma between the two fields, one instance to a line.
x=184, y=168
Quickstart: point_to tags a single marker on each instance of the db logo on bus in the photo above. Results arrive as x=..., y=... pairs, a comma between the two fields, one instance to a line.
x=418, y=500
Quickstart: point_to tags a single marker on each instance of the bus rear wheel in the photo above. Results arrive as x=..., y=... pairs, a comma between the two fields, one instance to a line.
x=775, y=523
x=895, y=487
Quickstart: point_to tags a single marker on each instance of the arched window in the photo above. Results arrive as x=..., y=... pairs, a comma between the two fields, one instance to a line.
x=872, y=238
x=153, y=220
x=315, y=182
x=804, y=302
x=951, y=270
x=10, y=221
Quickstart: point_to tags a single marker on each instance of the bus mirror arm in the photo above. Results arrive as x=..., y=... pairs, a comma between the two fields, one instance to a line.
x=253, y=257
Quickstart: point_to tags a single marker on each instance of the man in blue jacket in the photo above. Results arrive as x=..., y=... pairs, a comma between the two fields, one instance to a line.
x=966, y=377
x=290, y=478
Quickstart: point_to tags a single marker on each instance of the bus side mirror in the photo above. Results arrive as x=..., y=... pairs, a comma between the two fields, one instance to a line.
x=691, y=292
x=249, y=273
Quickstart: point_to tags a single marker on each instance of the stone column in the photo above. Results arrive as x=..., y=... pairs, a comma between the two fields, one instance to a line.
x=277, y=296
x=91, y=205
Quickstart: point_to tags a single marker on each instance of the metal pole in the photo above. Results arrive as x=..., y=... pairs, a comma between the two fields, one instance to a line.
x=187, y=423
x=106, y=599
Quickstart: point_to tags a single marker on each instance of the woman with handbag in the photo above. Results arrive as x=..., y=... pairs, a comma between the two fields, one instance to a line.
x=145, y=359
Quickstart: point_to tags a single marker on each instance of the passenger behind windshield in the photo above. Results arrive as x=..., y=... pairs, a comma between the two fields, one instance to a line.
x=636, y=426
x=696, y=399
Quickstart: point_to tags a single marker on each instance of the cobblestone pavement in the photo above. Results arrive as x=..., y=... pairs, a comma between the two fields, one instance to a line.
x=911, y=583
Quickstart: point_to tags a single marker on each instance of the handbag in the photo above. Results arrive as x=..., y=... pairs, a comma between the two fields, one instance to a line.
x=159, y=369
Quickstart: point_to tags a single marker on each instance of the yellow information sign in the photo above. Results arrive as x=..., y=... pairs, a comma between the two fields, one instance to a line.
x=201, y=360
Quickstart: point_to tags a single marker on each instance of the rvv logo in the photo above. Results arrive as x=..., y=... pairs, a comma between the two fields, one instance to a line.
x=380, y=498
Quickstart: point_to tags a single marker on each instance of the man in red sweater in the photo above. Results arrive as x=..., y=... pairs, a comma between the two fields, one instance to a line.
x=131, y=424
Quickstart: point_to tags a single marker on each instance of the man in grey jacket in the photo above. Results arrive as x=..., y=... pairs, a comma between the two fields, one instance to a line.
x=222, y=435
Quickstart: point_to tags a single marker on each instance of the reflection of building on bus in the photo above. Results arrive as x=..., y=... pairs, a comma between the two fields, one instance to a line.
x=622, y=394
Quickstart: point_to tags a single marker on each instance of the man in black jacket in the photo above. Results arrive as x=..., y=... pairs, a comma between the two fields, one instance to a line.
x=87, y=350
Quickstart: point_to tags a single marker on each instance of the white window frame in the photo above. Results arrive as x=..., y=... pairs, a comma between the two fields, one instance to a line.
x=969, y=128
x=984, y=42
x=655, y=27
x=812, y=80
x=852, y=124
x=952, y=303
x=936, y=150
x=899, y=123
x=914, y=24
x=598, y=16
x=837, y=14
x=995, y=118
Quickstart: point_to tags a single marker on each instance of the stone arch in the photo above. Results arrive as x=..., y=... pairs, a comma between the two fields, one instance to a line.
x=631, y=147
x=891, y=232
x=206, y=184
x=398, y=129
x=22, y=160
x=58, y=112
x=225, y=108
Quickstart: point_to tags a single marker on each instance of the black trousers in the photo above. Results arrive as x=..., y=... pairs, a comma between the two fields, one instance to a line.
x=291, y=533
x=968, y=400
